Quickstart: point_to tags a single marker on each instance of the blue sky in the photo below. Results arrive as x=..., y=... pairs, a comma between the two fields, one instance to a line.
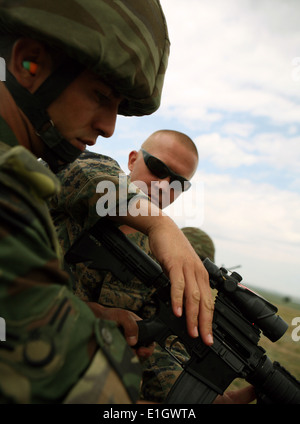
x=233, y=85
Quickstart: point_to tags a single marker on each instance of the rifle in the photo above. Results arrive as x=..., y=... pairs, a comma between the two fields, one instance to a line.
x=240, y=316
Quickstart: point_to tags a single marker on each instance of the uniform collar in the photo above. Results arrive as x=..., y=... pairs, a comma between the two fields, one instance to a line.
x=6, y=134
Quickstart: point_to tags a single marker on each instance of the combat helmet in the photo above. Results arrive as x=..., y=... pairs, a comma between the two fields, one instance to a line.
x=201, y=242
x=125, y=42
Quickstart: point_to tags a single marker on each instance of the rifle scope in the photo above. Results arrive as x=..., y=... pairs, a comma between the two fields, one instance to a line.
x=255, y=308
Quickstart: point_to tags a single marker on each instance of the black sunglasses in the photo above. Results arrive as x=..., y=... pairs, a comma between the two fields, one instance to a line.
x=161, y=170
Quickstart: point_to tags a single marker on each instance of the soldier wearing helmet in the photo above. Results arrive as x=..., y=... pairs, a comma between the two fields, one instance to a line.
x=72, y=66
x=123, y=43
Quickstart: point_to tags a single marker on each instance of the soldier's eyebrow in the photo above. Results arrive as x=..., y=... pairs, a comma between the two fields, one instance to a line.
x=110, y=90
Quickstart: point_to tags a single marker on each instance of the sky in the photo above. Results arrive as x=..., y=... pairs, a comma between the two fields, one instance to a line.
x=233, y=86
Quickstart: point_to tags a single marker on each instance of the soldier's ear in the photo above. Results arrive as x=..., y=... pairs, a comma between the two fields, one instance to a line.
x=30, y=63
x=132, y=159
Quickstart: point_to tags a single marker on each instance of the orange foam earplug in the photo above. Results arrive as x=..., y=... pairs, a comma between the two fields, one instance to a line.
x=30, y=66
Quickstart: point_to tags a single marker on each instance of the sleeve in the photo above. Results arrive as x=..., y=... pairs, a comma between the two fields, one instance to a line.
x=51, y=335
x=92, y=187
x=160, y=372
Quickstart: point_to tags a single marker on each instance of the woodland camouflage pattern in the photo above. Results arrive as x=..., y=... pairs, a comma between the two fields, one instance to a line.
x=52, y=337
x=73, y=210
x=86, y=30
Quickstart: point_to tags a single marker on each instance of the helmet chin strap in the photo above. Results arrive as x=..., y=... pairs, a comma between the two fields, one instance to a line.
x=59, y=152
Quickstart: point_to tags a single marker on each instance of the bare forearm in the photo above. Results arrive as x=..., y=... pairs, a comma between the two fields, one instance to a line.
x=188, y=277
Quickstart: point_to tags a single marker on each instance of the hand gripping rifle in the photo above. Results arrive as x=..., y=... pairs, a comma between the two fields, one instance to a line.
x=240, y=316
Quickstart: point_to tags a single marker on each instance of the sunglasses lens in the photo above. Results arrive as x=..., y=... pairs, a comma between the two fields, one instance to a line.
x=160, y=170
x=157, y=167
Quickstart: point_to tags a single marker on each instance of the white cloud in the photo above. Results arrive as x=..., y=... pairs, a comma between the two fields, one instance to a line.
x=233, y=86
x=238, y=129
x=256, y=226
x=278, y=151
x=231, y=73
x=224, y=152
x=232, y=56
x=272, y=152
x=242, y=210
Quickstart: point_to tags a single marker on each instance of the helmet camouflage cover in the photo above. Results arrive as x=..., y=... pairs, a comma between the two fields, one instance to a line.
x=124, y=41
x=201, y=242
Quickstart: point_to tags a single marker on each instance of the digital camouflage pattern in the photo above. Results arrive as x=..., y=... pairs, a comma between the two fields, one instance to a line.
x=83, y=183
x=74, y=210
x=201, y=242
x=160, y=371
x=52, y=337
x=86, y=30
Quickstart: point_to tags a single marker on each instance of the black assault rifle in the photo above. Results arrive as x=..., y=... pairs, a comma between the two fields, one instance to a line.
x=240, y=316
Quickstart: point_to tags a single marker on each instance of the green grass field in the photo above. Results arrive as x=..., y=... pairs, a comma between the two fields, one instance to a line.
x=286, y=351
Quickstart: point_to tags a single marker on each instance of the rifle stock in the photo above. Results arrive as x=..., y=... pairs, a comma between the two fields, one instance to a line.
x=239, y=318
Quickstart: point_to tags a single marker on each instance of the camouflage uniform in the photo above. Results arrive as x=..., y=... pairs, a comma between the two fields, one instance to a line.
x=52, y=336
x=55, y=348
x=73, y=211
x=160, y=371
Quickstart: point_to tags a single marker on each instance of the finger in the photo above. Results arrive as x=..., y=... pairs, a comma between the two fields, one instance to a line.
x=144, y=352
x=243, y=396
x=239, y=396
x=205, y=319
x=128, y=321
x=192, y=303
x=177, y=289
x=131, y=331
x=206, y=310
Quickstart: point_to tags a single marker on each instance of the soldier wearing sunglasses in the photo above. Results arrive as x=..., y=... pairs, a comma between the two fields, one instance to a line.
x=164, y=165
x=165, y=157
